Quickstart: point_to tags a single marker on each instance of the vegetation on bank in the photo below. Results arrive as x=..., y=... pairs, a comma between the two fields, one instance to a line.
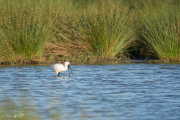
x=77, y=30
x=160, y=28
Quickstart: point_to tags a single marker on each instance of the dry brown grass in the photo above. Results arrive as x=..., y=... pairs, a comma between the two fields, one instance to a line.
x=63, y=50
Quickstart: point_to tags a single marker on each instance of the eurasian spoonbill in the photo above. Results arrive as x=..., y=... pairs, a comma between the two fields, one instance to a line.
x=58, y=68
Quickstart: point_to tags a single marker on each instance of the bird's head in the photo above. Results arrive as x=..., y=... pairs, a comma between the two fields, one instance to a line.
x=67, y=63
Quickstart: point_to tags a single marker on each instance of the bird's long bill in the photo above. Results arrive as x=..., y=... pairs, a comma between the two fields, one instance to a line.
x=70, y=70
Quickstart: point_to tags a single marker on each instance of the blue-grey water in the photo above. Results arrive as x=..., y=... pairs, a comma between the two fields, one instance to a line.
x=136, y=91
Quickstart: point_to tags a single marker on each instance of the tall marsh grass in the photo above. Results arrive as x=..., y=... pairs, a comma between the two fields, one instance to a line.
x=160, y=28
x=44, y=30
x=103, y=31
x=24, y=30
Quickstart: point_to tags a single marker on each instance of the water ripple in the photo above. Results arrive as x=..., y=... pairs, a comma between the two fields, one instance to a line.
x=126, y=91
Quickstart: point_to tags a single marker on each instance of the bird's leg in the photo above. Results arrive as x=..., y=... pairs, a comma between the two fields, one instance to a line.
x=68, y=71
x=58, y=74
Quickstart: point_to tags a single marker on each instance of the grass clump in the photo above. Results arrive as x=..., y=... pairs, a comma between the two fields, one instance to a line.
x=24, y=30
x=160, y=29
x=89, y=30
x=102, y=31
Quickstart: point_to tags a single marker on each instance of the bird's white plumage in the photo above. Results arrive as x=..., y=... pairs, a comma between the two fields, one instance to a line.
x=60, y=67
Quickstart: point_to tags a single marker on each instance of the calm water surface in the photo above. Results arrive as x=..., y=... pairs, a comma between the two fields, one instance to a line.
x=102, y=92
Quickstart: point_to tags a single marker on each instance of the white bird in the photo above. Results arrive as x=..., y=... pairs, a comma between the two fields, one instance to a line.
x=58, y=68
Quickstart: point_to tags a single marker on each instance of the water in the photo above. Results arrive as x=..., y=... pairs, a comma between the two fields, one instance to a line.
x=106, y=92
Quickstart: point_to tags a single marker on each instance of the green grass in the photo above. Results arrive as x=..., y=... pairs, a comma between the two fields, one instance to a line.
x=102, y=32
x=160, y=28
x=25, y=29
x=89, y=30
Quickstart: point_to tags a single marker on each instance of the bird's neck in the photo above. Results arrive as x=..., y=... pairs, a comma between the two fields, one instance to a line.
x=66, y=67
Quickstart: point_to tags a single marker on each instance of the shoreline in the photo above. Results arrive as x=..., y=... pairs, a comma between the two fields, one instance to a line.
x=104, y=62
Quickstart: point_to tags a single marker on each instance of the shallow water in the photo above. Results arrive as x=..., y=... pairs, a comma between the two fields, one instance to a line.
x=112, y=92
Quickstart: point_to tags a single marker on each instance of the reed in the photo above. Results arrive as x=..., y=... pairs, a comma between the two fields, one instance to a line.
x=160, y=30
x=89, y=30
x=103, y=30
x=24, y=30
